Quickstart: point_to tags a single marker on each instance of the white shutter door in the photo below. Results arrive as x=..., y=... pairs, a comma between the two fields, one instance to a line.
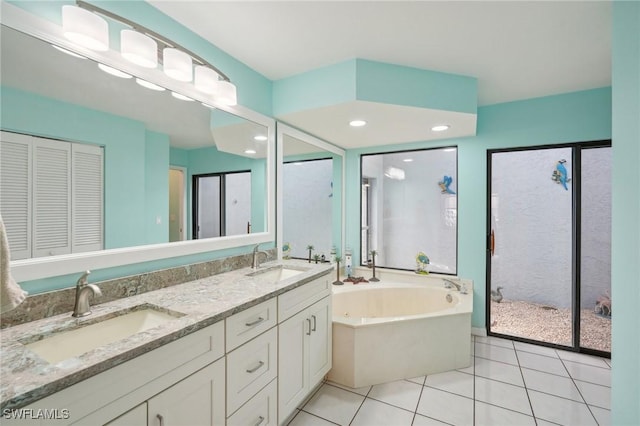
x=51, y=198
x=87, y=198
x=15, y=192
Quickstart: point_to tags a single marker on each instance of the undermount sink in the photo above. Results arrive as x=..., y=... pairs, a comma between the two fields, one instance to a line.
x=68, y=344
x=277, y=273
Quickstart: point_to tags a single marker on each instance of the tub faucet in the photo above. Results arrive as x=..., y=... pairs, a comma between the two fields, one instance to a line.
x=452, y=284
x=81, y=307
x=255, y=263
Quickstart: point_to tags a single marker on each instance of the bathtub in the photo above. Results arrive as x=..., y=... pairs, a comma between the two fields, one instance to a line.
x=394, y=330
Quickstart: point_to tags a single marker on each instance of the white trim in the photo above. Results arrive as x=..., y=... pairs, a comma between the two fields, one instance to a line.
x=479, y=331
x=31, y=269
x=281, y=130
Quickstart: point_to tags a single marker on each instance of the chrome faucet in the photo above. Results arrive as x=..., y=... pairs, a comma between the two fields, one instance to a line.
x=81, y=307
x=452, y=284
x=254, y=260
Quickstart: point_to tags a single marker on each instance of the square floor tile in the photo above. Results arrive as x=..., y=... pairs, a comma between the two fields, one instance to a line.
x=491, y=415
x=603, y=417
x=402, y=393
x=542, y=363
x=498, y=371
x=589, y=373
x=306, y=419
x=597, y=395
x=552, y=384
x=496, y=353
x=495, y=341
x=535, y=349
x=334, y=404
x=374, y=413
x=446, y=407
x=418, y=380
x=560, y=410
x=361, y=391
x=503, y=395
x=452, y=381
x=420, y=420
x=583, y=359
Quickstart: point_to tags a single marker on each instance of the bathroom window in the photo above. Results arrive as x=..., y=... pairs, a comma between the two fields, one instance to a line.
x=409, y=206
x=51, y=195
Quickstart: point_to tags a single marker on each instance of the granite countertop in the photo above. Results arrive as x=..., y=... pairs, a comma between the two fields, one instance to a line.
x=27, y=378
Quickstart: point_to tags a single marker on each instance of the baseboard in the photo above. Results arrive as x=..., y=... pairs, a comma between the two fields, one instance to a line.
x=479, y=331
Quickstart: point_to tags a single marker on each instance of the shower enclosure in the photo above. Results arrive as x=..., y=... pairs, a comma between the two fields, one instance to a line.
x=549, y=245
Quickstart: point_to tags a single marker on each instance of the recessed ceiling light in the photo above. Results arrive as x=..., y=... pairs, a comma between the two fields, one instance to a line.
x=260, y=138
x=68, y=52
x=181, y=97
x=357, y=123
x=149, y=85
x=297, y=163
x=249, y=151
x=440, y=128
x=113, y=71
x=449, y=149
x=408, y=160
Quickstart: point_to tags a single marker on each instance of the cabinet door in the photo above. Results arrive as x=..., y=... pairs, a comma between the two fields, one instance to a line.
x=197, y=400
x=320, y=341
x=293, y=374
x=135, y=417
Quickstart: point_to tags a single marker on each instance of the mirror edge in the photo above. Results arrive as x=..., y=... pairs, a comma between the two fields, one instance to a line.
x=282, y=129
x=46, y=267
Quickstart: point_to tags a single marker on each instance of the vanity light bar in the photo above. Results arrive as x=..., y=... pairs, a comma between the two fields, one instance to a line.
x=148, y=49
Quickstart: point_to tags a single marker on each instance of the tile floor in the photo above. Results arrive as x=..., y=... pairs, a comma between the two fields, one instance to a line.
x=508, y=383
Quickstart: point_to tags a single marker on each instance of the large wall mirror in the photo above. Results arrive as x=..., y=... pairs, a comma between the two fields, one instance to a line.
x=310, y=209
x=164, y=167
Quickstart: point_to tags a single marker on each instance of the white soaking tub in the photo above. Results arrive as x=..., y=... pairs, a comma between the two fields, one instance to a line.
x=389, y=331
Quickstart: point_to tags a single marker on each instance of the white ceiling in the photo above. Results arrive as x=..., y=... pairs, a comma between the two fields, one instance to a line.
x=516, y=50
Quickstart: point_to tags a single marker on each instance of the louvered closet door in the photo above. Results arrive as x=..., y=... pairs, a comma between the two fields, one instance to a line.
x=51, y=198
x=15, y=192
x=87, y=198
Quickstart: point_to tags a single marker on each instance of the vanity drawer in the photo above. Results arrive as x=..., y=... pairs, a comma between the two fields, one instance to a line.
x=292, y=302
x=246, y=325
x=250, y=368
x=259, y=410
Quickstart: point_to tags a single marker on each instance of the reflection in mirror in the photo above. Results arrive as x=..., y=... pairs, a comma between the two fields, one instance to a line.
x=137, y=134
x=311, y=196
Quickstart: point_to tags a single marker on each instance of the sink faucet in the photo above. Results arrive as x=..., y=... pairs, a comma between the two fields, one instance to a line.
x=452, y=284
x=81, y=307
x=254, y=260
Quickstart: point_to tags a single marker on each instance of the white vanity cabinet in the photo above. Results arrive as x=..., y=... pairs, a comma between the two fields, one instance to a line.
x=304, y=343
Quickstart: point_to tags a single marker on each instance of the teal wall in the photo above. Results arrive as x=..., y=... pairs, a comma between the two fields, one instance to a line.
x=369, y=81
x=156, y=187
x=131, y=161
x=579, y=116
x=626, y=213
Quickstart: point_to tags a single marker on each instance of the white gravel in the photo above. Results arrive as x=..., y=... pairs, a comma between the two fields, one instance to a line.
x=549, y=324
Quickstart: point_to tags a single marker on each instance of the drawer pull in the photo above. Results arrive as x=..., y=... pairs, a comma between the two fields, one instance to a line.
x=309, y=332
x=254, y=369
x=160, y=419
x=252, y=323
x=259, y=422
x=314, y=323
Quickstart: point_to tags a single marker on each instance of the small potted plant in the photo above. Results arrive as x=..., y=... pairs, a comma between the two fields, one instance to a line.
x=422, y=260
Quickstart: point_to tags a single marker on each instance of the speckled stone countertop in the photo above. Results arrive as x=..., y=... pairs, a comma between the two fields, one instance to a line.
x=26, y=378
